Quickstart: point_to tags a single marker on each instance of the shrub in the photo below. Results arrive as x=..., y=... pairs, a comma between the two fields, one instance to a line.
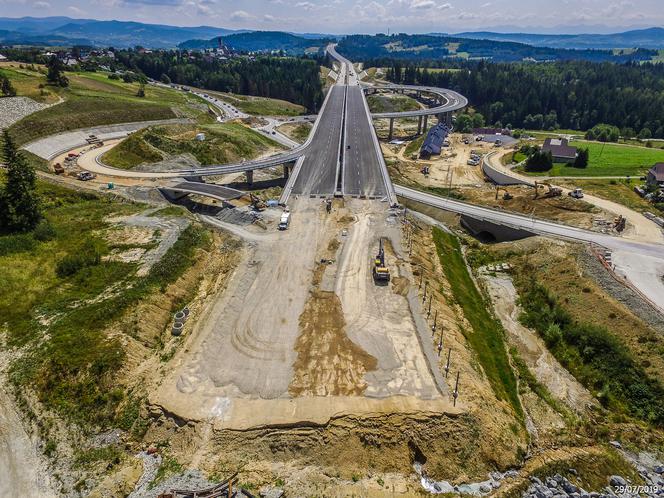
x=44, y=231
x=88, y=255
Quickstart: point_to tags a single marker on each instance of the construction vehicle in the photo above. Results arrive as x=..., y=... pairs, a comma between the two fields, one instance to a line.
x=284, y=221
x=551, y=192
x=577, y=193
x=619, y=223
x=424, y=170
x=256, y=203
x=58, y=169
x=380, y=272
x=506, y=195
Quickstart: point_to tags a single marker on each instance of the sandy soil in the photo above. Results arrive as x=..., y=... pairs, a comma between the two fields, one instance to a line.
x=450, y=166
x=254, y=350
x=22, y=470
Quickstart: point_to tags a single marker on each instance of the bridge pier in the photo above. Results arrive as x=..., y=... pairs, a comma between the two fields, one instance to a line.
x=419, y=125
x=448, y=119
x=389, y=136
x=250, y=176
x=426, y=119
x=286, y=171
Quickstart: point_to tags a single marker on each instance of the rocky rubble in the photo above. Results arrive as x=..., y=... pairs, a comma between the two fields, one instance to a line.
x=13, y=109
x=559, y=487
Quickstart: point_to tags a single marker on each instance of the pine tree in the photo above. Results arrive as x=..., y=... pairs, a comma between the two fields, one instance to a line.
x=6, y=88
x=55, y=73
x=19, y=204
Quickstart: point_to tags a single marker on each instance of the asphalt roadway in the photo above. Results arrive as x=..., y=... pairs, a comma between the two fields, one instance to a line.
x=318, y=174
x=361, y=166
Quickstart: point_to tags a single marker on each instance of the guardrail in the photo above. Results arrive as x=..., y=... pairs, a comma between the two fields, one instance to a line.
x=391, y=194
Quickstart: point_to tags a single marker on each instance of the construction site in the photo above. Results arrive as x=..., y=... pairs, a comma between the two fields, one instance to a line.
x=350, y=310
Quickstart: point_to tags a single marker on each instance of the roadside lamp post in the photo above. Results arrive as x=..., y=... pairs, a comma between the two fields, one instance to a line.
x=455, y=395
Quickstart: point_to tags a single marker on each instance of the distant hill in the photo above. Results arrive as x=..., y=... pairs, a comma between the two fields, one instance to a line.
x=652, y=38
x=121, y=34
x=129, y=34
x=260, y=41
x=435, y=47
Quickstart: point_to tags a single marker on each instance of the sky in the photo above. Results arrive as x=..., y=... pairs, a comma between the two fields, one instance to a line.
x=357, y=16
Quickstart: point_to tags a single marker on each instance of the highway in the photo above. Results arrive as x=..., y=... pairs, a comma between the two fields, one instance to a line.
x=362, y=174
x=318, y=174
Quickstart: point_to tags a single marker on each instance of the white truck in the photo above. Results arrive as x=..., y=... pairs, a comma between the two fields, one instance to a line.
x=284, y=221
x=577, y=193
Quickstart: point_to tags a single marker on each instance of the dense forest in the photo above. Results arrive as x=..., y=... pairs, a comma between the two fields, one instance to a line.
x=433, y=47
x=574, y=94
x=294, y=79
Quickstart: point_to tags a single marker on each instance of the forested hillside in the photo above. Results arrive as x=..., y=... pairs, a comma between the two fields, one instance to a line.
x=431, y=47
x=573, y=95
x=292, y=79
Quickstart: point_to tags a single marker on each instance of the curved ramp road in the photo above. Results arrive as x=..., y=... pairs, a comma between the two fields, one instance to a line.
x=453, y=102
x=641, y=263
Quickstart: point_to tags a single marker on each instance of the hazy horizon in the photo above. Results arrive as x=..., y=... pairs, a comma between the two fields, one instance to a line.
x=349, y=16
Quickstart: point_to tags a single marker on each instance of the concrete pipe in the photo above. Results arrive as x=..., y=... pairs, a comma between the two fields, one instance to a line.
x=177, y=328
x=185, y=310
x=180, y=317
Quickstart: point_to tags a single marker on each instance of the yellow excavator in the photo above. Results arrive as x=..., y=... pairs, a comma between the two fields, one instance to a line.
x=551, y=192
x=380, y=272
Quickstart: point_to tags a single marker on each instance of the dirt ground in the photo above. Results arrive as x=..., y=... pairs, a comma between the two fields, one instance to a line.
x=256, y=346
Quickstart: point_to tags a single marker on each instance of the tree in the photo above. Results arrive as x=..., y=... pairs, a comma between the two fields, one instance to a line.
x=603, y=133
x=539, y=161
x=645, y=134
x=581, y=160
x=55, y=75
x=478, y=120
x=141, y=91
x=463, y=123
x=165, y=79
x=6, y=87
x=19, y=204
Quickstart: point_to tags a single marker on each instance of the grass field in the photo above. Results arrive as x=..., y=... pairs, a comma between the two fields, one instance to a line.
x=58, y=295
x=224, y=143
x=261, y=106
x=608, y=159
x=92, y=99
x=392, y=103
x=486, y=336
x=298, y=132
x=26, y=81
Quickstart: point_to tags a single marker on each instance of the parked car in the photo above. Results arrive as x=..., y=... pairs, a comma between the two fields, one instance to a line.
x=86, y=176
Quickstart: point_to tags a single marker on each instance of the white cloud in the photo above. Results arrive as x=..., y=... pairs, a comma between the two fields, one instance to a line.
x=240, y=15
x=43, y=5
x=75, y=10
x=422, y=4
x=268, y=18
x=305, y=5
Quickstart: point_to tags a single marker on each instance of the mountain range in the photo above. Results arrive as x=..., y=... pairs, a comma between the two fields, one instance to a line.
x=68, y=31
x=652, y=38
